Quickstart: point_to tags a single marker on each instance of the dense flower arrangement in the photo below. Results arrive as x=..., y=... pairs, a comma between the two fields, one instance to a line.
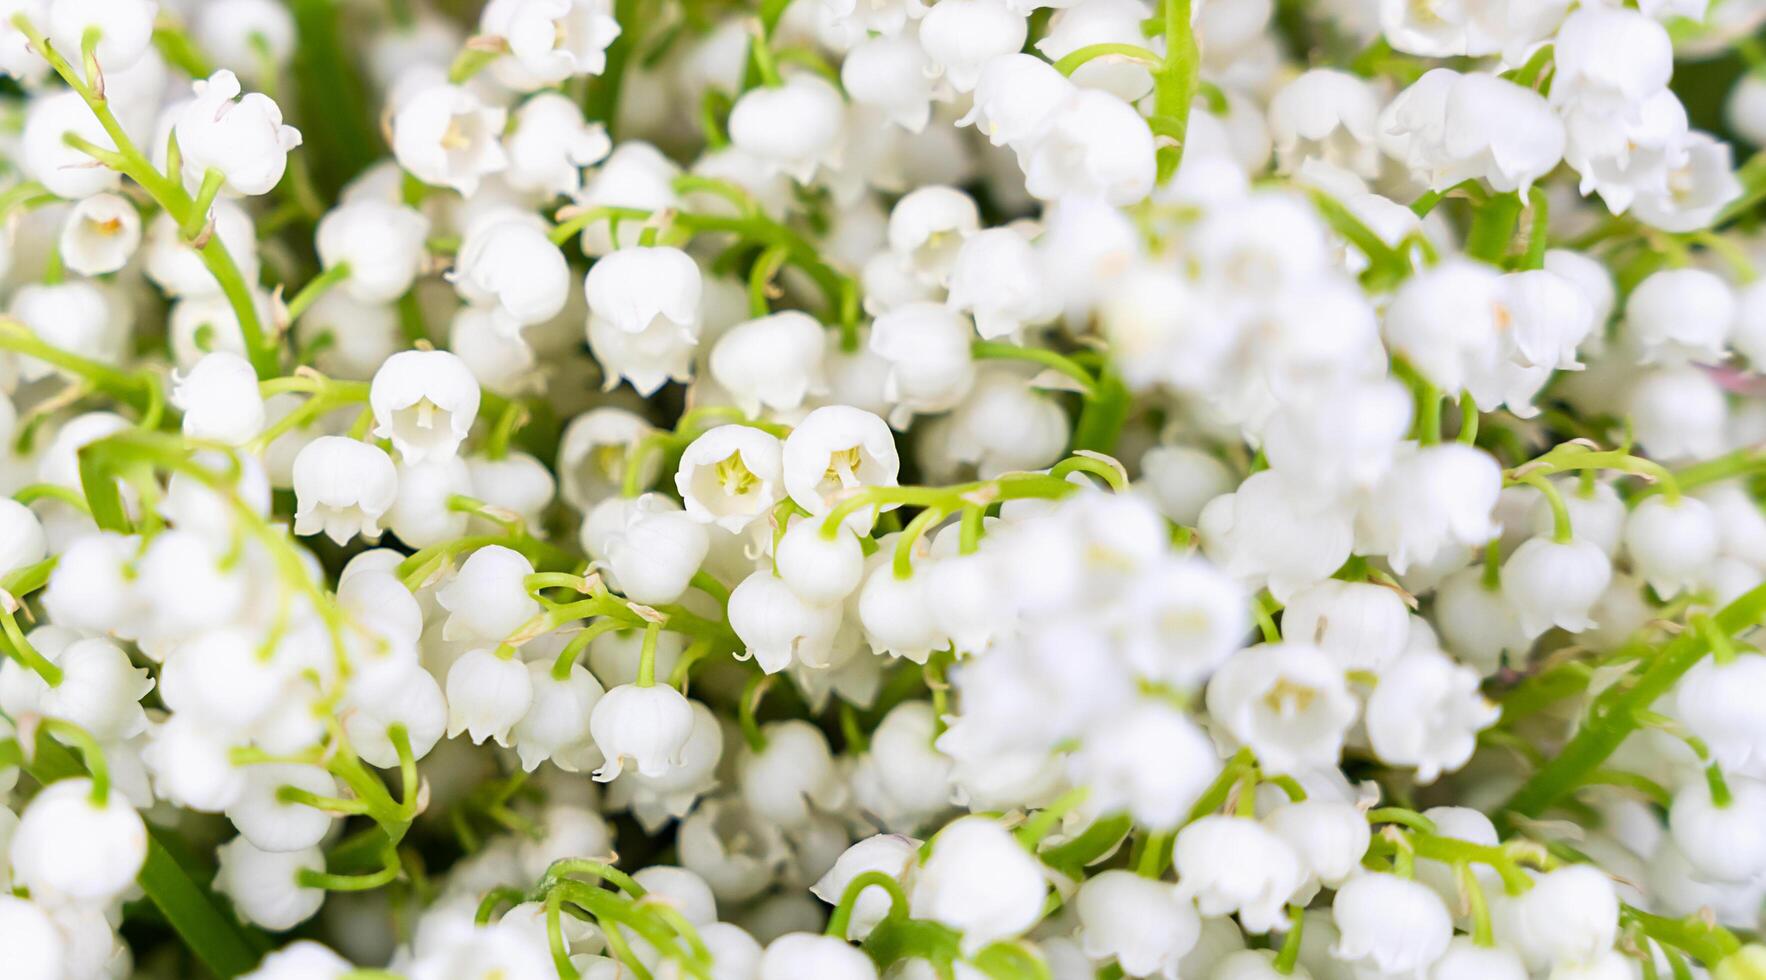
x=1015, y=489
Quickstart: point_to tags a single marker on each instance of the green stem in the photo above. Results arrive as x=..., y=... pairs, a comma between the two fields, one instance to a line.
x=212, y=181
x=1614, y=714
x=841, y=921
x=1174, y=83
x=1072, y=61
x=1289, y=957
x=988, y=349
x=22, y=650
x=1493, y=228
x=316, y=287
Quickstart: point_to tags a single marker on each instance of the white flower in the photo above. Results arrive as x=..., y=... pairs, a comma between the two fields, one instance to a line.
x=773, y=362
x=660, y=353
x=637, y=289
x=303, y=959
x=1724, y=843
x=1449, y=127
x=730, y=476
x=1427, y=712
x=342, y=487
x=22, y=538
x=593, y=451
x=100, y=690
x=274, y=824
x=1363, y=626
x=556, y=725
x=508, y=265
x=796, y=128
x=1680, y=315
x=1568, y=917
x=487, y=600
x=100, y=235
x=1235, y=864
x=1330, y=838
x=818, y=568
x=1435, y=498
x=1094, y=145
x=655, y=550
x=1327, y=115
x=891, y=74
x=995, y=277
x=265, y=885
x=446, y=136
x=1114, y=760
x=425, y=402
x=808, y=954
x=1272, y=532
x=550, y=144
x=219, y=398
x=68, y=844
x=792, y=775
x=232, y=31
x=242, y=137
x=1015, y=94
x=549, y=40
x=962, y=37
x=779, y=627
x=1609, y=60
x=1139, y=922
x=487, y=695
x=74, y=316
x=979, y=881
x=837, y=448
x=1394, y=925
x=1288, y=702
x=927, y=228
x=1551, y=584
x=1670, y=544
x=35, y=947
x=1679, y=413
x=647, y=726
x=930, y=366
x=1697, y=190
x=892, y=854
x=124, y=29
x=45, y=155
x=382, y=243
x=1718, y=702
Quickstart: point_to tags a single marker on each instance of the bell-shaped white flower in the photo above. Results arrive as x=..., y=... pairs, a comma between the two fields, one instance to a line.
x=1427, y=712
x=1724, y=843
x=1088, y=22
x=550, y=144
x=1094, y=145
x=773, y=362
x=219, y=398
x=234, y=32
x=556, y=725
x=1329, y=837
x=487, y=695
x=962, y=37
x=655, y=550
x=809, y=954
x=927, y=228
x=1326, y=115
x=1362, y=626
x=447, y=136
x=36, y=946
x=979, y=881
x=648, y=360
x=45, y=155
x=891, y=854
x=1680, y=315
x=1568, y=917
x=996, y=278
x=1273, y=532
x=1394, y=925
x=1551, y=584
x=1670, y=544
x=100, y=235
x=730, y=476
x=796, y=128
x=893, y=74
x=837, y=448
x=791, y=777
x=242, y=137
x=1235, y=864
x=1608, y=60
x=1015, y=94
x=425, y=402
x=1138, y=922
x=549, y=41
x=636, y=289
x=1112, y=762
x=100, y=690
x=1288, y=702
x=508, y=265
x=68, y=844
x=74, y=316
x=930, y=365
x=272, y=823
x=819, y=569
x=778, y=626
x=1433, y=499
x=645, y=726
x=487, y=600
x=1449, y=127
x=381, y=242
x=265, y=885
x=342, y=487
x=22, y=538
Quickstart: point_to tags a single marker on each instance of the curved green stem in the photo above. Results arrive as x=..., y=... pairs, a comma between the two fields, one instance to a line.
x=841, y=921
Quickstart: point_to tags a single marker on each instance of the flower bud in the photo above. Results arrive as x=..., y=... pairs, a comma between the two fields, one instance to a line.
x=420, y=514
x=100, y=691
x=414, y=701
x=979, y=881
x=508, y=265
x=22, y=539
x=891, y=74
x=1679, y=315
x=1112, y=763
x=273, y=824
x=1551, y=584
x=1329, y=838
x=1724, y=843
x=891, y=854
x=45, y=155
x=772, y=362
x=245, y=32
x=1670, y=544
x=1570, y=915
x=819, y=569
x=930, y=366
x=794, y=773
x=35, y=947
x=656, y=551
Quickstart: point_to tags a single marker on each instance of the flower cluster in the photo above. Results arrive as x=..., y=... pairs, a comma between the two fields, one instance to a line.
x=840, y=489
